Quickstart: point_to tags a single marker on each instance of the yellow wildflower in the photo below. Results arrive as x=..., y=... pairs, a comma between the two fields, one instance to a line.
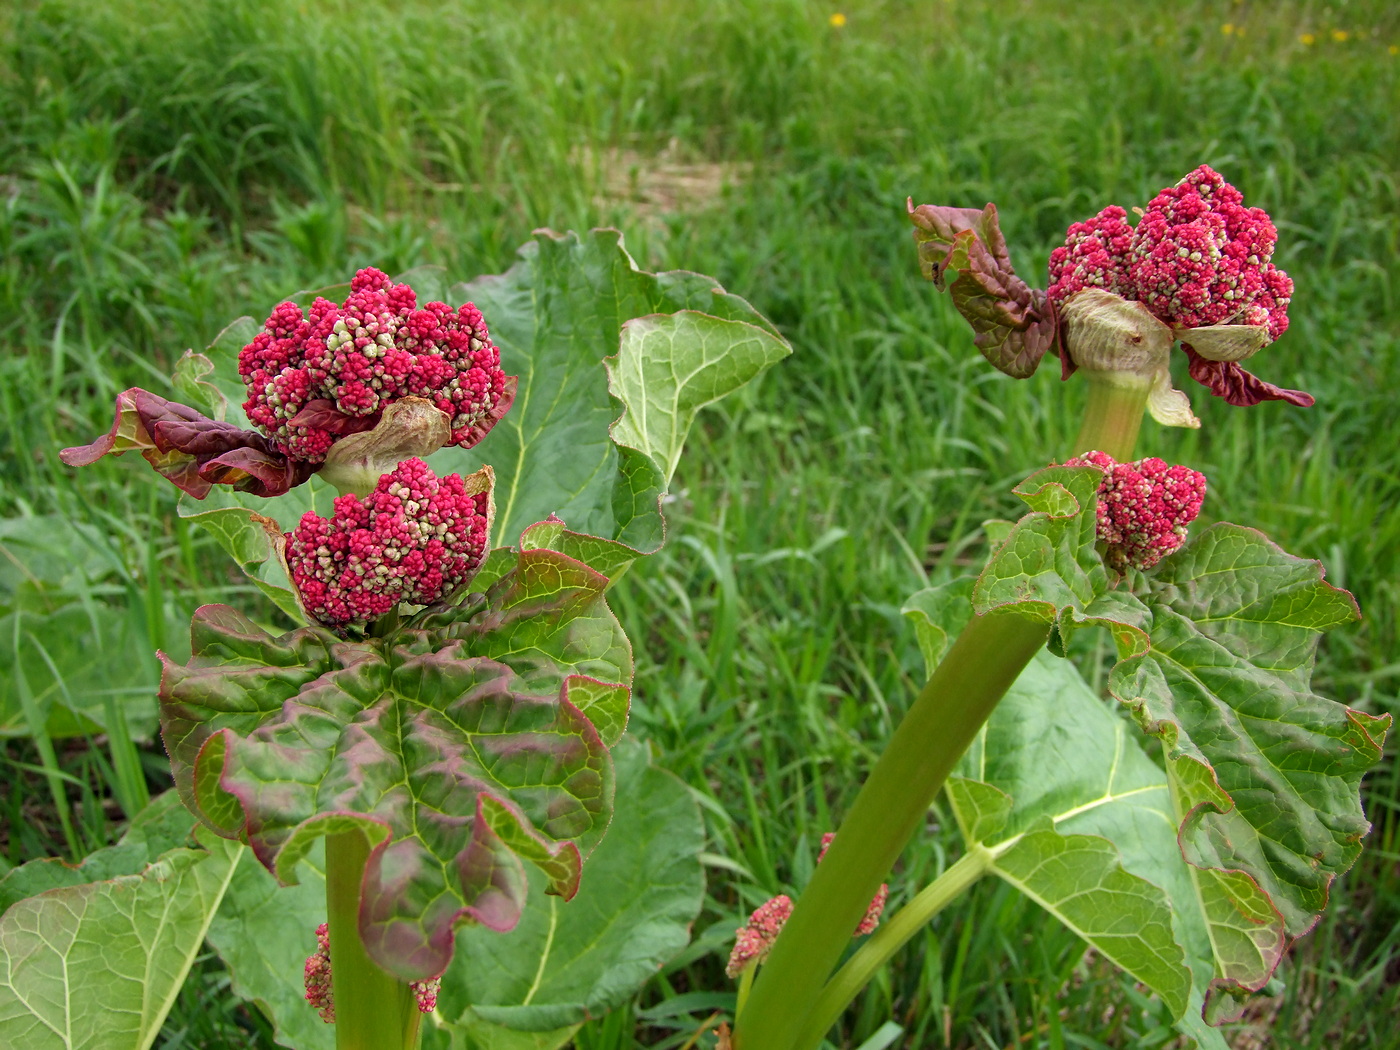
x=837, y=20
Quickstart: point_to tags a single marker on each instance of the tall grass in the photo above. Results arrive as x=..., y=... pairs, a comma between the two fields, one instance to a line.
x=169, y=165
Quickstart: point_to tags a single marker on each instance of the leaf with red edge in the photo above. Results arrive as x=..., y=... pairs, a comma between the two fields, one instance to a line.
x=1228, y=380
x=464, y=745
x=1014, y=324
x=192, y=451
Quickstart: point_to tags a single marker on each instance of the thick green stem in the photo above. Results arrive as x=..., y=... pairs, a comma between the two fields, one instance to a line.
x=892, y=935
x=373, y=1010
x=987, y=657
x=1113, y=415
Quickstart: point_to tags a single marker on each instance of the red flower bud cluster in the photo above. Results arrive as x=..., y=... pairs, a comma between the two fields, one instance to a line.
x=413, y=539
x=318, y=981
x=1144, y=507
x=1198, y=257
x=315, y=377
x=875, y=908
x=318, y=976
x=755, y=938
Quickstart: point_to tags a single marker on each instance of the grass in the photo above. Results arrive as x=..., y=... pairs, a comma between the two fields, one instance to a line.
x=168, y=166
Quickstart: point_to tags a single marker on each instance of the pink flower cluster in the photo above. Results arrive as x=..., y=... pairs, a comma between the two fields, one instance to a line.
x=754, y=940
x=1144, y=507
x=412, y=539
x=875, y=908
x=313, y=378
x=318, y=981
x=318, y=976
x=1197, y=257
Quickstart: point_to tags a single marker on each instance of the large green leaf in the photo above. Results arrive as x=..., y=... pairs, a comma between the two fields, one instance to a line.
x=1036, y=781
x=461, y=744
x=566, y=963
x=264, y=932
x=97, y=966
x=160, y=827
x=556, y=315
x=1266, y=772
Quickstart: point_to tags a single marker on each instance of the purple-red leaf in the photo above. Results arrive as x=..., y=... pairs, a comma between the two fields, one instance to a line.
x=192, y=451
x=1015, y=325
x=1228, y=380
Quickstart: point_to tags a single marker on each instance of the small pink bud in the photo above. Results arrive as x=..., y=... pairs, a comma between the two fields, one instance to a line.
x=318, y=981
x=877, y=903
x=318, y=976
x=755, y=938
x=1144, y=507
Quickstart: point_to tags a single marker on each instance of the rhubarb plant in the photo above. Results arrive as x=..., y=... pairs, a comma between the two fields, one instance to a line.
x=388, y=798
x=1192, y=834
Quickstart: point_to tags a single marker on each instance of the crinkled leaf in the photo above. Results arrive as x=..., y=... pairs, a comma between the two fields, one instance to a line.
x=1014, y=324
x=567, y=962
x=556, y=315
x=459, y=745
x=190, y=450
x=194, y=379
x=1267, y=771
x=1047, y=566
x=99, y=965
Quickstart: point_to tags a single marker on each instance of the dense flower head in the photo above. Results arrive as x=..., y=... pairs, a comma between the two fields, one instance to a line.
x=1144, y=507
x=413, y=539
x=1197, y=257
x=754, y=939
x=1095, y=255
x=314, y=377
x=319, y=992
x=871, y=919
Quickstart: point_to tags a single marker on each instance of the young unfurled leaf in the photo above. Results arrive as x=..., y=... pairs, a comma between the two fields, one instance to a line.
x=192, y=451
x=100, y=964
x=461, y=745
x=556, y=315
x=1015, y=324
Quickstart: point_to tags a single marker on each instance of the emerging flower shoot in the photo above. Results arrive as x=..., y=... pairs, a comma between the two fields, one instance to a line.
x=413, y=539
x=1144, y=508
x=1198, y=267
x=1200, y=263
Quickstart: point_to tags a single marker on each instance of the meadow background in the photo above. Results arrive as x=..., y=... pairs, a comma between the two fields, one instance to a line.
x=167, y=165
